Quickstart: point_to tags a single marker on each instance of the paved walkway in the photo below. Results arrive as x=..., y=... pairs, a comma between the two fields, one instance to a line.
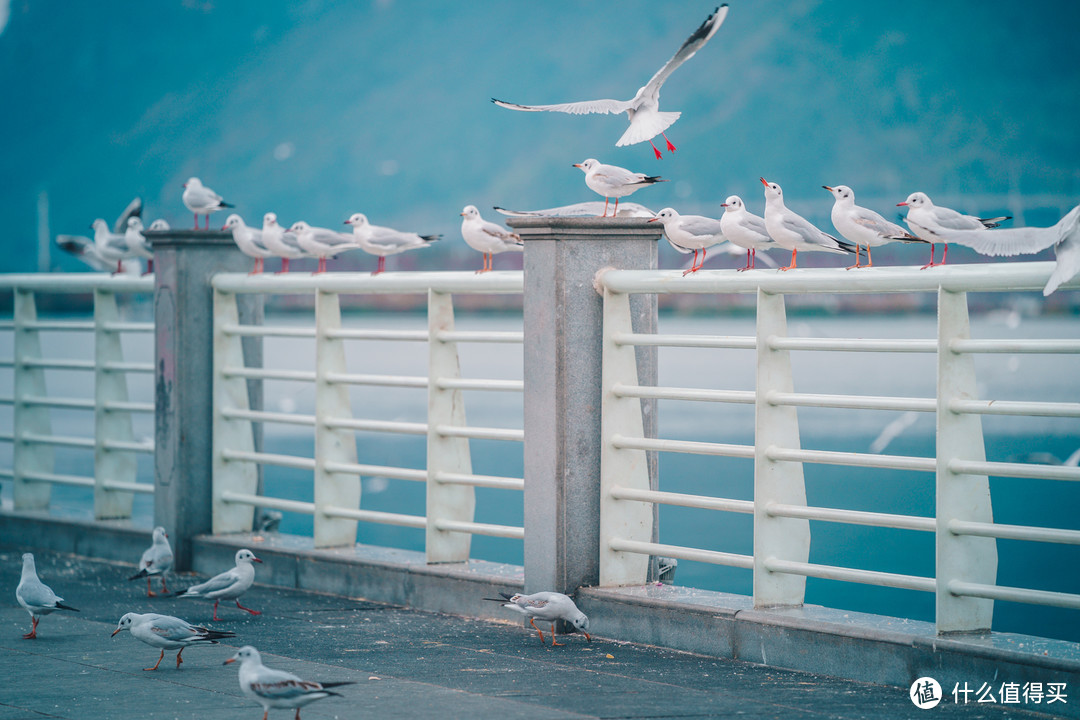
x=406, y=664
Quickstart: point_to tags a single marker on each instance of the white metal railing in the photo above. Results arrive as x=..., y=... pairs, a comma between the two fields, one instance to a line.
x=966, y=553
x=336, y=509
x=32, y=438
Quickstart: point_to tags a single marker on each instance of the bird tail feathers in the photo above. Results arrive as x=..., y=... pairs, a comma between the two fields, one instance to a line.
x=62, y=606
x=141, y=574
x=642, y=130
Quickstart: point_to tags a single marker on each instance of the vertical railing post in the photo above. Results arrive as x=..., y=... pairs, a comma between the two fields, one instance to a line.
x=29, y=380
x=963, y=558
x=626, y=467
x=333, y=445
x=776, y=481
x=230, y=391
x=445, y=454
x=110, y=386
x=562, y=371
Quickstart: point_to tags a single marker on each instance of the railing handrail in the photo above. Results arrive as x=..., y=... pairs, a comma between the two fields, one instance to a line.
x=498, y=282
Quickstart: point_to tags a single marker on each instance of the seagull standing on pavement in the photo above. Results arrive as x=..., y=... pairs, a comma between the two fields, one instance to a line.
x=794, y=232
x=201, y=200
x=688, y=233
x=36, y=597
x=382, y=241
x=249, y=240
x=925, y=219
x=229, y=585
x=487, y=237
x=612, y=181
x=547, y=606
x=168, y=633
x=643, y=110
x=280, y=241
x=277, y=688
x=863, y=226
x=322, y=242
x=745, y=229
x=156, y=560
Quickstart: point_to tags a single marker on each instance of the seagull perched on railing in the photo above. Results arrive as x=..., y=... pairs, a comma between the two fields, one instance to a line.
x=382, y=241
x=548, y=606
x=137, y=242
x=249, y=240
x=646, y=120
x=229, y=585
x=36, y=597
x=110, y=246
x=794, y=232
x=201, y=200
x=156, y=560
x=925, y=219
x=277, y=688
x=688, y=233
x=168, y=633
x=322, y=242
x=487, y=237
x=282, y=242
x=745, y=229
x=863, y=226
x=612, y=181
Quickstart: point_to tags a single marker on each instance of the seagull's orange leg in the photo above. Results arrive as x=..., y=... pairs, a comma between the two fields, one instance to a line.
x=794, y=255
x=553, y=643
x=857, y=263
x=215, y=611
x=178, y=658
x=869, y=258
x=253, y=612
x=149, y=592
x=163, y=588
x=158, y=661
x=532, y=622
x=606, y=201
x=616, y=211
x=932, y=263
x=32, y=635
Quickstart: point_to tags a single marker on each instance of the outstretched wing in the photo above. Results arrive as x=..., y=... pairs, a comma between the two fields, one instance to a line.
x=693, y=43
x=585, y=107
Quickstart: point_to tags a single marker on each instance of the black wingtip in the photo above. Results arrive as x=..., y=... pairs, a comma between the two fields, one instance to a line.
x=431, y=238
x=136, y=576
x=225, y=204
x=62, y=606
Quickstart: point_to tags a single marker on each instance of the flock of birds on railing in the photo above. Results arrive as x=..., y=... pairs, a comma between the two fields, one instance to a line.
x=266, y=686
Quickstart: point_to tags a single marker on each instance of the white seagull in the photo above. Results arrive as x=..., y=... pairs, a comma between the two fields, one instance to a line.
x=643, y=110
x=547, y=606
x=36, y=597
x=863, y=226
x=168, y=633
x=159, y=225
x=925, y=218
x=137, y=242
x=322, y=242
x=283, y=243
x=111, y=246
x=229, y=585
x=612, y=181
x=277, y=688
x=745, y=229
x=249, y=240
x=688, y=233
x=487, y=237
x=156, y=560
x=382, y=241
x=794, y=232
x=201, y=200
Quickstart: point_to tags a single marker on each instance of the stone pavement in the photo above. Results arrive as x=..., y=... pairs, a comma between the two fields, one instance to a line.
x=405, y=663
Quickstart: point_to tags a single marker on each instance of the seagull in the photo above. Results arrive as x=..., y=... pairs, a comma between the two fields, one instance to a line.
x=110, y=246
x=137, y=242
x=745, y=229
x=201, y=200
x=249, y=240
x=322, y=242
x=548, y=606
x=487, y=237
x=36, y=597
x=168, y=633
x=584, y=209
x=863, y=226
x=612, y=181
x=85, y=249
x=229, y=585
x=643, y=110
x=159, y=225
x=277, y=688
x=794, y=232
x=690, y=232
x=925, y=218
x=156, y=560
x=383, y=241
x=282, y=242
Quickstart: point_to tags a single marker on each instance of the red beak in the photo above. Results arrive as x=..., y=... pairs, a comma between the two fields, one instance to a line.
x=901, y=204
x=256, y=560
x=827, y=188
x=653, y=219
x=764, y=182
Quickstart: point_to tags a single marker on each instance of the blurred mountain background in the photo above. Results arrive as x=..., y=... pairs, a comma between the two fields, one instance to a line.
x=322, y=108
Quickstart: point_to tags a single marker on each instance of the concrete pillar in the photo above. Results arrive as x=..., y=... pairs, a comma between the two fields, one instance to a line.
x=563, y=342
x=184, y=262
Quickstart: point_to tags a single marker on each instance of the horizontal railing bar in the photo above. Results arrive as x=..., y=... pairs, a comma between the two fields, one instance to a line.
x=131, y=327
x=375, y=516
x=682, y=500
x=1014, y=594
x=67, y=283
x=49, y=364
x=480, y=336
x=853, y=517
x=7, y=363
x=270, y=417
x=278, y=460
x=488, y=481
x=254, y=373
x=351, y=283
x=682, y=446
x=1017, y=346
x=506, y=531
x=1015, y=532
x=7, y=400
x=394, y=473
x=481, y=433
x=126, y=446
x=128, y=367
x=478, y=384
x=829, y=457
x=7, y=473
x=745, y=397
x=735, y=342
x=57, y=479
x=58, y=440
x=851, y=402
x=239, y=330
x=1016, y=470
x=776, y=342
x=296, y=506
x=404, y=381
x=682, y=553
x=7, y=437
x=387, y=426
x=386, y=335
x=134, y=487
x=128, y=406
x=65, y=403
x=59, y=325
x=864, y=577
x=1013, y=407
